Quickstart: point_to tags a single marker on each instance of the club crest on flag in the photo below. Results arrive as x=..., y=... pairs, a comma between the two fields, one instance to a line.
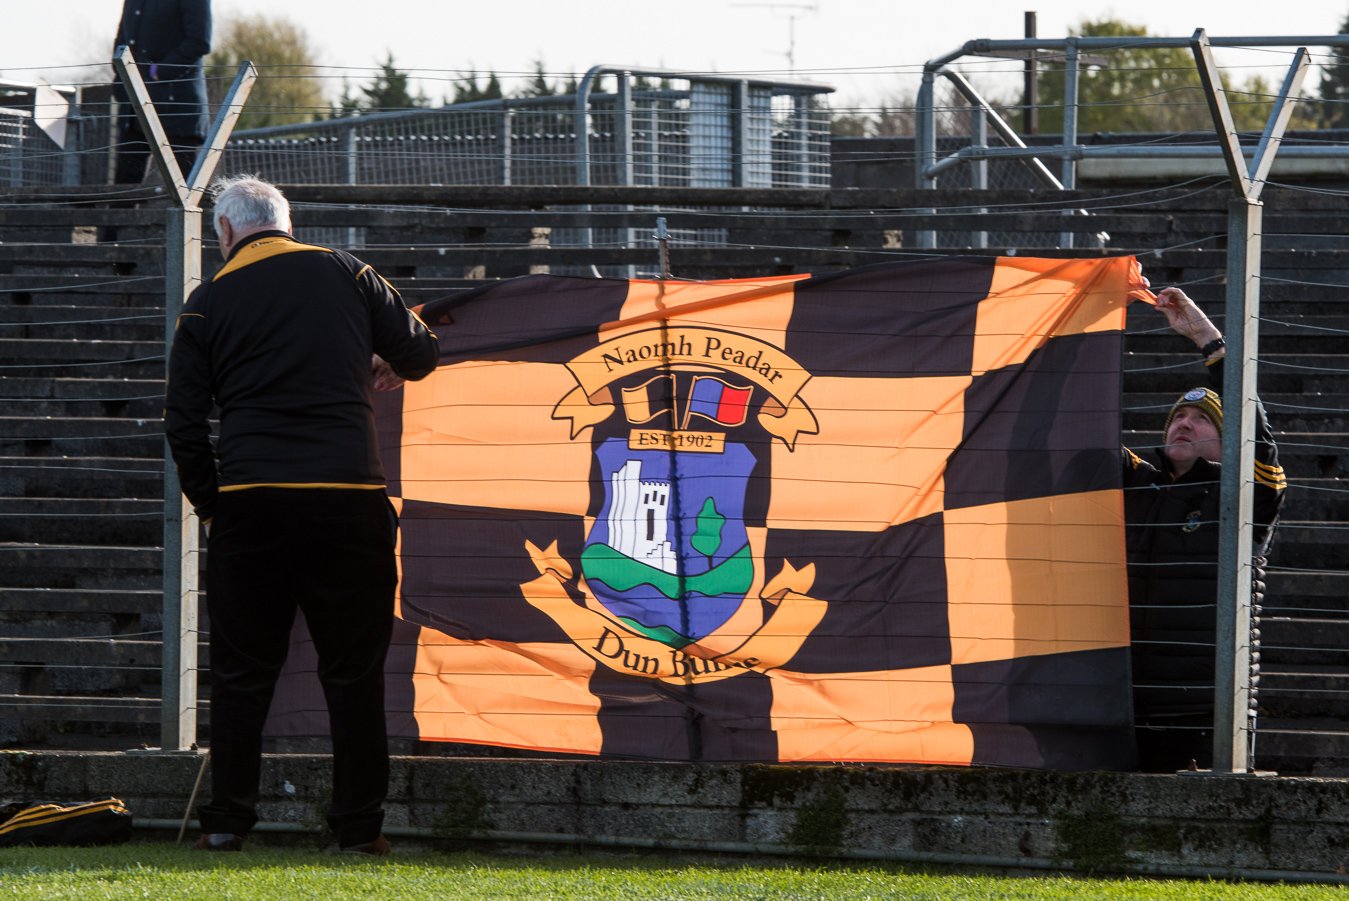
x=668, y=568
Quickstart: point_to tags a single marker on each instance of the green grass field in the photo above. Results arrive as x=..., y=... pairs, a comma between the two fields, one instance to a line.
x=165, y=871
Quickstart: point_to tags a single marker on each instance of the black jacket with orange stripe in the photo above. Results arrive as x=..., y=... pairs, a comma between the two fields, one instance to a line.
x=1171, y=527
x=280, y=340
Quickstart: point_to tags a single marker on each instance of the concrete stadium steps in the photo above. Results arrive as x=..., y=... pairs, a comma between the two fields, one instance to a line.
x=110, y=666
x=1279, y=373
x=1318, y=545
x=68, y=322
x=114, y=294
x=91, y=521
x=53, y=602
x=1311, y=639
x=1306, y=592
x=112, y=398
x=42, y=357
x=1280, y=332
x=82, y=477
x=104, y=712
x=74, y=566
x=37, y=256
x=61, y=437
x=136, y=657
x=1317, y=746
x=1304, y=691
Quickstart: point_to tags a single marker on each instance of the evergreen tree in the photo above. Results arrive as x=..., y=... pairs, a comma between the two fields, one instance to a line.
x=468, y=90
x=1335, y=86
x=348, y=104
x=388, y=90
x=538, y=86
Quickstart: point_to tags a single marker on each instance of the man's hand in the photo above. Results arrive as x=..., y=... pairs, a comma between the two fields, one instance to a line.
x=382, y=375
x=1185, y=317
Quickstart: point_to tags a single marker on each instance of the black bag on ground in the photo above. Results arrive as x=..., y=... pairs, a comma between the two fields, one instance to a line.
x=102, y=822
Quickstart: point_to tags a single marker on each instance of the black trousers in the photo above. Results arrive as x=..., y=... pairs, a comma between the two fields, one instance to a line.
x=133, y=153
x=330, y=554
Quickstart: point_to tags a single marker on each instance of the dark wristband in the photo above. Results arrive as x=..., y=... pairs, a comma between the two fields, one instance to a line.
x=1213, y=346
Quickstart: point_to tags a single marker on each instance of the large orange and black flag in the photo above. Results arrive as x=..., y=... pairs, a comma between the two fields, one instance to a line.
x=873, y=515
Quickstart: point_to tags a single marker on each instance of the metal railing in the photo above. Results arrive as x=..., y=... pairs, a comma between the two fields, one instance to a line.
x=39, y=134
x=974, y=149
x=656, y=127
x=624, y=126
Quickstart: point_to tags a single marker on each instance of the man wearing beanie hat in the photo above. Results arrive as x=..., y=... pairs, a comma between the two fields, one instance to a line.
x=1171, y=515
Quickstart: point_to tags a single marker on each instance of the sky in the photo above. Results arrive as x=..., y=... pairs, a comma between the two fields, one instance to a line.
x=869, y=50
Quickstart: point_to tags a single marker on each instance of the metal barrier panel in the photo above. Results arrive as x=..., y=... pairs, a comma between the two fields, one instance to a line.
x=27, y=155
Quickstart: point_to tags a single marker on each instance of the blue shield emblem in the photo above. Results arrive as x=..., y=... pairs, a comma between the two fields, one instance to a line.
x=668, y=554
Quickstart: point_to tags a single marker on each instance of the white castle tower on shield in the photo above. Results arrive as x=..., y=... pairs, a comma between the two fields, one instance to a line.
x=639, y=518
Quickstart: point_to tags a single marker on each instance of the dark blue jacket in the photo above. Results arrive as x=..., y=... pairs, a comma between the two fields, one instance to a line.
x=173, y=36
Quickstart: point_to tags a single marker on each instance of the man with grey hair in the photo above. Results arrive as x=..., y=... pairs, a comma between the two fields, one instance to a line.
x=293, y=499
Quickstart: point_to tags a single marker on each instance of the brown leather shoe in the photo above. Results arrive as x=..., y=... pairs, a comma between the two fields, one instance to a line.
x=219, y=841
x=379, y=847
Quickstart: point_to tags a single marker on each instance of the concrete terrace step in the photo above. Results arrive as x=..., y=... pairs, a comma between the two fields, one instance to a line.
x=147, y=253
x=145, y=602
x=1315, y=498
x=1309, y=544
x=1289, y=373
x=85, y=708
x=106, y=290
x=92, y=521
x=110, y=398
x=76, y=477
x=1283, y=340
x=136, y=326
x=95, y=311
x=113, y=651
x=1291, y=641
x=1302, y=746
x=27, y=565
x=71, y=352
x=57, y=436
x=149, y=406
x=1276, y=703
x=1324, y=588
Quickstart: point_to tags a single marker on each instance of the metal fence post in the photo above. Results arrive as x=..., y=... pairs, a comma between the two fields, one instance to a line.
x=1241, y=328
x=178, y=723
x=1232, y=661
x=979, y=175
x=925, y=139
x=740, y=136
x=1068, y=173
x=182, y=274
x=505, y=134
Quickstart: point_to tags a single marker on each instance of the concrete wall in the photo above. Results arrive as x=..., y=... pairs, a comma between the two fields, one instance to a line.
x=1258, y=827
